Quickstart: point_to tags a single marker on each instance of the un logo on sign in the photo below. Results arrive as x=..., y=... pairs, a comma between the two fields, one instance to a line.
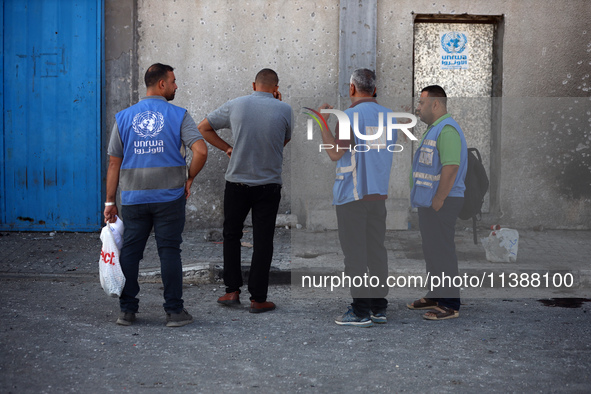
x=148, y=123
x=454, y=42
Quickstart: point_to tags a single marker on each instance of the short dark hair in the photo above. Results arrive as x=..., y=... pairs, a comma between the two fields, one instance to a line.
x=436, y=91
x=155, y=73
x=267, y=77
x=364, y=80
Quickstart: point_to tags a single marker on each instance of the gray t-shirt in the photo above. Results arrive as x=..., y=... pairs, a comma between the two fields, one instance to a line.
x=189, y=133
x=260, y=126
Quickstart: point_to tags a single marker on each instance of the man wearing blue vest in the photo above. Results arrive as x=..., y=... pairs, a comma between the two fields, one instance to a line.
x=359, y=193
x=261, y=126
x=146, y=157
x=437, y=181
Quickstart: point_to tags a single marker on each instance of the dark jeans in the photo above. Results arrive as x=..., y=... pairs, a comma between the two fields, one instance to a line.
x=263, y=200
x=362, y=231
x=439, y=248
x=168, y=221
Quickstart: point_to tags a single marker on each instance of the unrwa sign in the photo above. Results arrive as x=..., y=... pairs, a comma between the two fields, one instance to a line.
x=454, y=50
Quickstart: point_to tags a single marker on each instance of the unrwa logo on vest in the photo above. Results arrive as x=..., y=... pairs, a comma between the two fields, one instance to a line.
x=148, y=123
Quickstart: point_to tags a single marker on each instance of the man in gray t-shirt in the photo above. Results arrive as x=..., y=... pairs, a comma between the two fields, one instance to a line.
x=261, y=126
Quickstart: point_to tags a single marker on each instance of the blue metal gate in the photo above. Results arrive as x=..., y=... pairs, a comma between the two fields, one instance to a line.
x=51, y=93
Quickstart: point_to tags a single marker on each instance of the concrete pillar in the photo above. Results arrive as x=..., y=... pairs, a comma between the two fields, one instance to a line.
x=357, y=39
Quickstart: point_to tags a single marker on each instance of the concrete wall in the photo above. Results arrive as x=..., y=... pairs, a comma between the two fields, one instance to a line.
x=543, y=170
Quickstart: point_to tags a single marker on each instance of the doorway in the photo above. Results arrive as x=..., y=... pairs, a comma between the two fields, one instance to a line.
x=462, y=54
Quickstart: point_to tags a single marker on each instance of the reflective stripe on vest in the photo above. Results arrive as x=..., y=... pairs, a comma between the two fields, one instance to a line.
x=153, y=178
x=353, y=170
x=422, y=175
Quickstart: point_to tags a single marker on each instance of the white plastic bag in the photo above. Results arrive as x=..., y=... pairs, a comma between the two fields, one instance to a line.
x=111, y=276
x=117, y=229
x=501, y=245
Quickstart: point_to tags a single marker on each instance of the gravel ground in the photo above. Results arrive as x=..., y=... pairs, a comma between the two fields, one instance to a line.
x=60, y=336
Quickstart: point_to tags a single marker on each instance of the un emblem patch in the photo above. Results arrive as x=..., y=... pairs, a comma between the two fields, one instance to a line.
x=454, y=42
x=148, y=123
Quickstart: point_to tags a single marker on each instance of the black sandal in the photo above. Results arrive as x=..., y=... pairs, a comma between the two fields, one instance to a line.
x=423, y=303
x=441, y=313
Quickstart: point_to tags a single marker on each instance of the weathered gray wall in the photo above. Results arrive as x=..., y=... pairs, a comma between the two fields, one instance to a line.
x=546, y=168
x=121, y=88
x=218, y=46
x=120, y=58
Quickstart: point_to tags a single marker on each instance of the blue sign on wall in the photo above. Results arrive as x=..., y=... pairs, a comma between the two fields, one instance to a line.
x=52, y=91
x=454, y=50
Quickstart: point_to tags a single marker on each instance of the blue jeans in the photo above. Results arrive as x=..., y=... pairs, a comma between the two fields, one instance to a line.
x=239, y=199
x=168, y=221
x=439, y=248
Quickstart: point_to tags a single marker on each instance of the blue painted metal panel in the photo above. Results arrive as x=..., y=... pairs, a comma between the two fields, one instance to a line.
x=2, y=189
x=52, y=85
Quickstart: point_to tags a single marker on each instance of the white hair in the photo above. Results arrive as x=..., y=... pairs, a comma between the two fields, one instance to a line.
x=364, y=80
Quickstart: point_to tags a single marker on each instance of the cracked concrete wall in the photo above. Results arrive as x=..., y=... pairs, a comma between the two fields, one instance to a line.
x=218, y=46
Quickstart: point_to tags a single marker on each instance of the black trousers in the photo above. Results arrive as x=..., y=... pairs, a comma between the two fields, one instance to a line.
x=362, y=231
x=439, y=248
x=239, y=199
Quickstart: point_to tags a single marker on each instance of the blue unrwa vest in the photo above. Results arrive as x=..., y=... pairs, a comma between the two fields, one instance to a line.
x=427, y=167
x=365, y=168
x=153, y=169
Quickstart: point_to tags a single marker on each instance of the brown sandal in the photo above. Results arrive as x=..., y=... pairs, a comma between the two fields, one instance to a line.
x=441, y=313
x=423, y=303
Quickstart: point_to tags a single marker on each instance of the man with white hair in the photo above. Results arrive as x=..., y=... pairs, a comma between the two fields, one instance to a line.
x=359, y=193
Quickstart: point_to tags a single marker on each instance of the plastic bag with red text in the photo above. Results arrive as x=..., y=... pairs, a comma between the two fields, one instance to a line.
x=111, y=276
